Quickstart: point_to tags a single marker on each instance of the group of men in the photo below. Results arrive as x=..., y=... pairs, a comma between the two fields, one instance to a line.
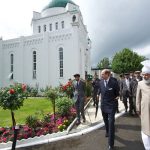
x=128, y=87
x=135, y=89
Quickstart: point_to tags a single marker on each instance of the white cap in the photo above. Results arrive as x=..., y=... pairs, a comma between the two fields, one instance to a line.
x=146, y=67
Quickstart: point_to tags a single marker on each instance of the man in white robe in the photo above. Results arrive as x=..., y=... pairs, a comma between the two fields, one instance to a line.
x=143, y=103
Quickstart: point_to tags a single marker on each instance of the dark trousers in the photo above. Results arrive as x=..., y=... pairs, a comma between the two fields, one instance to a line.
x=109, y=120
x=125, y=101
x=80, y=108
x=94, y=97
x=117, y=106
x=134, y=104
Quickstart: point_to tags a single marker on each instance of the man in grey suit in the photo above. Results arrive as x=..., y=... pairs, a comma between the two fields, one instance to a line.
x=126, y=93
x=79, y=97
x=109, y=91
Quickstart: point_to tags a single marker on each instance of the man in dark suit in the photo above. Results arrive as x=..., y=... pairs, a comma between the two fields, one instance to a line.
x=109, y=91
x=126, y=93
x=79, y=97
x=133, y=88
x=95, y=85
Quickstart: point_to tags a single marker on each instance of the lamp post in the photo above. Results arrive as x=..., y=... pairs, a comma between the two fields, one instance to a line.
x=16, y=129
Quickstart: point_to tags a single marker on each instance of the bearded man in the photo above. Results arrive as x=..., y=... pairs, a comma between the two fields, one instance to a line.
x=143, y=103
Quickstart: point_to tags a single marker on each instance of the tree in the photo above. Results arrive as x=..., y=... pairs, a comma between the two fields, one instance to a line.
x=126, y=61
x=104, y=63
x=12, y=98
x=52, y=96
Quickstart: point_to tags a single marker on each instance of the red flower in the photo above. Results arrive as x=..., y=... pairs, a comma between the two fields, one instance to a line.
x=24, y=87
x=2, y=130
x=11, y=91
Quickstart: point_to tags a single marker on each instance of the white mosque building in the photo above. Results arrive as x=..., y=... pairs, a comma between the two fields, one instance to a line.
x=58, y=48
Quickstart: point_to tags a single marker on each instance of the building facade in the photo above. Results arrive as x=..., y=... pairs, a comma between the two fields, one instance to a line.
x=58, y=48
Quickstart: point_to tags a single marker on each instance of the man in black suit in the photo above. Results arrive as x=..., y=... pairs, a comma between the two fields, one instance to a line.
x=109, y=91
x=95, y=85
x=133, y=88
x=79, y=97
x=125, y=89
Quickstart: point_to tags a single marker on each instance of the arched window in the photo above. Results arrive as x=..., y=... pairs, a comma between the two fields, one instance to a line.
x=34, y=64
x=44, y=28
x=62, y=24
x=56, y=25
x=39, y=29
x=11, y=66
x=61, y=62
x=50, y=27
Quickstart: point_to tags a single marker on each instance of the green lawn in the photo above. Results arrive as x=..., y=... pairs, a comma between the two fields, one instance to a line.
x=30, y=107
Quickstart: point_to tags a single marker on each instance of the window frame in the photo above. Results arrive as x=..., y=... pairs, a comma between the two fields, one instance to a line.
x=61, y=62
x=34, y=65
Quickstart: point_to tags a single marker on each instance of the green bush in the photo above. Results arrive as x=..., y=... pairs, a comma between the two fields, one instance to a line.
x=46, y=118
x=34, y=92
x=32, y=121
x=64, y=105
x=88, y=90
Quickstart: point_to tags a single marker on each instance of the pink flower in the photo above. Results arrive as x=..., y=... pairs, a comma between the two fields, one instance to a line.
x=4, y=139
x=24, y=87
x=2, y=130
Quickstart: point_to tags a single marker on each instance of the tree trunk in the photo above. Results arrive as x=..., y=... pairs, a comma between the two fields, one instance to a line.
x=15, y=130
x=54, y=111
x=13, y=118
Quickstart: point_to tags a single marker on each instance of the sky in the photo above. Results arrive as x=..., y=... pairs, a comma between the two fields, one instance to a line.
x=112, y=24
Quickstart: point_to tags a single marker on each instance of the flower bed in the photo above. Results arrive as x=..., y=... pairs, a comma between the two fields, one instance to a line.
x=41, y=127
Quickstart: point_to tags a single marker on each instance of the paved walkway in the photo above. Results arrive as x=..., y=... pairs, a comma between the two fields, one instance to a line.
x=90, y=115
x=127, y=138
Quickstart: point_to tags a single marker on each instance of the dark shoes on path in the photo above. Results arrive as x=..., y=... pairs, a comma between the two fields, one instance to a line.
x=106, y=135
x=111, y=148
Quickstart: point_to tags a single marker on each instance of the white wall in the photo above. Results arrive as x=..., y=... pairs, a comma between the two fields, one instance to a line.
x=73, y=40
x=1, y=65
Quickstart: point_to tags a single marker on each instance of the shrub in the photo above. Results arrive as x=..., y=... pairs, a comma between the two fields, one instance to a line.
x=47, y=118
x=32, y=121
x=88, y=89
x=34, y=92
x=51, y=94
x=64, y=105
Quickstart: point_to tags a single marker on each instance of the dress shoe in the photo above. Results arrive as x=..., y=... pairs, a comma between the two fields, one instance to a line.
x=110, y=148
x=78, y=122
x=106, y=135
x=84, y=120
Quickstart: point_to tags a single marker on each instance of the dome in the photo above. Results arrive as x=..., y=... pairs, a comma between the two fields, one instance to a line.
x=58, y=3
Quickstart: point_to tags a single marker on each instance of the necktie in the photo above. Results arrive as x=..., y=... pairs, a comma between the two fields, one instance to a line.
x=105, y=83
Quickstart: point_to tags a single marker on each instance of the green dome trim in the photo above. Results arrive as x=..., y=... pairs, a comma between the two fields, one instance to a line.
x=58, y=3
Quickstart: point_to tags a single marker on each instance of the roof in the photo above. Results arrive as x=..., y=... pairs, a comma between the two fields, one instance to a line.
x=58, y=3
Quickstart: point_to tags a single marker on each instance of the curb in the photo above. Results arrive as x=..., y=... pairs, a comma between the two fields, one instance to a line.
x=75, y=120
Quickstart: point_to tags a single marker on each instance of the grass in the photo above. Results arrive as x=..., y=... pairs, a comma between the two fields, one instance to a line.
x=31, y=106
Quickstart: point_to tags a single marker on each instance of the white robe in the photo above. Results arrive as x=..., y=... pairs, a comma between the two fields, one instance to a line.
x=146, y=141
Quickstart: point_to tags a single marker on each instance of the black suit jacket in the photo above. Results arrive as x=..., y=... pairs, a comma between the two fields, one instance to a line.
x=109, y=95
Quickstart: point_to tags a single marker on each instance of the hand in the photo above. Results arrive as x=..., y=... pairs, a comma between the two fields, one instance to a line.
x=97, y=98
x=117, y=98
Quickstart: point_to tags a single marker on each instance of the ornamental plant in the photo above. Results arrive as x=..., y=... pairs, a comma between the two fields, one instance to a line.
x=68, y=89
x=64, y=105
x=51, y=94
x=12, y=98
